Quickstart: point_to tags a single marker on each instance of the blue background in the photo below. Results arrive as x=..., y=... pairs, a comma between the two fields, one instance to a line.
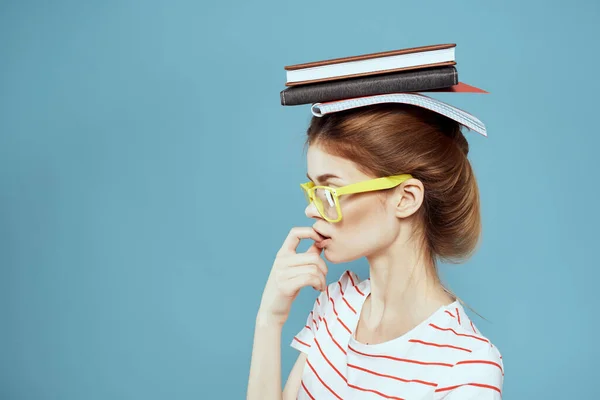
x=142, y=145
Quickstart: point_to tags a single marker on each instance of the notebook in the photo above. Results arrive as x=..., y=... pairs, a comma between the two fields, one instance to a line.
x=403, y=81
x=371, y=64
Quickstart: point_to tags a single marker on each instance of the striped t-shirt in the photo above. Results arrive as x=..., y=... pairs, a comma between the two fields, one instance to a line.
x=444, y=357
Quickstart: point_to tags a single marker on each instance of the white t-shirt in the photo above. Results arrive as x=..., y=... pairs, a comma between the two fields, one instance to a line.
x=444, y=357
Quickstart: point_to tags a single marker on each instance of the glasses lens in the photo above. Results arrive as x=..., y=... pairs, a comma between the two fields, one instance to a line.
x=325, y=202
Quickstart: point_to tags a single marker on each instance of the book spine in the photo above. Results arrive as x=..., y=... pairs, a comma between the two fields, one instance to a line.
x=406, y=81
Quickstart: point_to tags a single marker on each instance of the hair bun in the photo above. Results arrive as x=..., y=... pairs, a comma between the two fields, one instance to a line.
x=461, y=141
x=451, y=129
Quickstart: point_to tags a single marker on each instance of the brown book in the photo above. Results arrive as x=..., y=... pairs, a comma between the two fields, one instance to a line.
x=371, y=64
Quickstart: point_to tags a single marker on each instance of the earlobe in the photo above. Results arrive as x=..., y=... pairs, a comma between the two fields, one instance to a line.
x=409, y=198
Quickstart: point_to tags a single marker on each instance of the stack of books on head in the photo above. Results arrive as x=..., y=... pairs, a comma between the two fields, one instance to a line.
x=417, y=69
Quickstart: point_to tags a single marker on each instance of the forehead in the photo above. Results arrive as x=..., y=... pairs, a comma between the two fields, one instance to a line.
x=320, y=162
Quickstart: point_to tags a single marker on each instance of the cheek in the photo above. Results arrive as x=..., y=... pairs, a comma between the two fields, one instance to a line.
x=363, y=213
x=365, y=226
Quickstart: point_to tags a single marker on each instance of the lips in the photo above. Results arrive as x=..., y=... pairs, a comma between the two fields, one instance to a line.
x=321, y=233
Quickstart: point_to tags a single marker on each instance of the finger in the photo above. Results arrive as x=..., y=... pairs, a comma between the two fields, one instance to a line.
x=304, y=269
x=307, y=258
x=296, y=234
x=316, y=281
x=314, y=249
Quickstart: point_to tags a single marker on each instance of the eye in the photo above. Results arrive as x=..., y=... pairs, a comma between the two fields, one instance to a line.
x=329, y=198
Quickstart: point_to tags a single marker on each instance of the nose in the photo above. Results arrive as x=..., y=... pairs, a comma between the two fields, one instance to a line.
x=311, y=211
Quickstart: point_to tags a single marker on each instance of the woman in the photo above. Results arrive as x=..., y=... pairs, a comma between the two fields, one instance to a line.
x=398, y=334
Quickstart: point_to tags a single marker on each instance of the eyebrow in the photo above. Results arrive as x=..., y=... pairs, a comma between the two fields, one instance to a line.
x=324, y=177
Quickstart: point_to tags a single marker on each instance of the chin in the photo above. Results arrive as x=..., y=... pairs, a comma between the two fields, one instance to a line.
x=337, y=257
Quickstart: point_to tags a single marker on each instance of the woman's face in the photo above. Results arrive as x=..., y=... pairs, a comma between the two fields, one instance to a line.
x=368, y=220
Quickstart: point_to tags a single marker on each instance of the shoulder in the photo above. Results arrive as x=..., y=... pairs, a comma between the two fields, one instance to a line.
x=455, y=326
x=346, y=281
x=479, y=365
x=334, y=291
x=338, y=288
x=488, y=355
x=480, y=374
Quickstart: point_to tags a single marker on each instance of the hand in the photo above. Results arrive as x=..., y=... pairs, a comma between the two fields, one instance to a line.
x=292, y=271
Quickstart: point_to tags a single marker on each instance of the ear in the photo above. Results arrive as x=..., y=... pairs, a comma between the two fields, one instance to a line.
x=408, y=197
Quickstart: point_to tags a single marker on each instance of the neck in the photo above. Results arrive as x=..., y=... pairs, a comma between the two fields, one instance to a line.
x=404, y=287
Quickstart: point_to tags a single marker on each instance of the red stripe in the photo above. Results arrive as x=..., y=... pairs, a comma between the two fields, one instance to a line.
x=344, y=325
x=306, y=390
x=481, y=362
x=306, y=326
x=338, y=317
x=341, y=290
x=439, y=345
x=374, y=391
x=350, y=276
x=459, y=334
x=458, y=315
x=473, y=327
x=331, y=336
x=300, y=341
x=401, y=359
x=321, y=380
x=358, y=290
x=333, y=306
x=329, y=362
x=391, y=376
x=318, y=302
x=349, y=306
x=470, y=384
x=450, y=314
x=313, y=320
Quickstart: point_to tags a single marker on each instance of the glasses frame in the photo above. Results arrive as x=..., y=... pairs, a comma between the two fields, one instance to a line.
x=386, y=182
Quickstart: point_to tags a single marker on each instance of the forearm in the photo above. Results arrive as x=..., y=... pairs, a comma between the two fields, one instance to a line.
x=265, y=368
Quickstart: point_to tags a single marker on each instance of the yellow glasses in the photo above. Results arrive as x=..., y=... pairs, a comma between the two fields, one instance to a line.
x=326, y=198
